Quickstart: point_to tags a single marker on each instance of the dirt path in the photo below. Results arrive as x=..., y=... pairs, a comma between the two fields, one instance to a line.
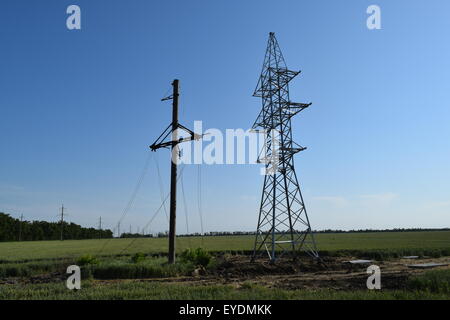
x=338, y=275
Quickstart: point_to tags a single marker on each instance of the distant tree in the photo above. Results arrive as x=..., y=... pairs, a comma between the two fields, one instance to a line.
x=43, y=230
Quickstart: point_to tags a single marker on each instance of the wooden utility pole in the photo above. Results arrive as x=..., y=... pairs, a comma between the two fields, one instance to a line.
x=173, y=144
x=62, y=222
x=173, y=174
x=20, y=227
x=100, y=227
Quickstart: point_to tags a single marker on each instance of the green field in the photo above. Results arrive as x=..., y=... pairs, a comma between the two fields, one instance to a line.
x=362, y=242
x=162, y=291
x=111, y=275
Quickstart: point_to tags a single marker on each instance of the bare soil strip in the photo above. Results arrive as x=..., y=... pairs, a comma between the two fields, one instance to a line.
x=238, y=271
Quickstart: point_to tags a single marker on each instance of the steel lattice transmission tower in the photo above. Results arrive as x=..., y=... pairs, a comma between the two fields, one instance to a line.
x=283, y=223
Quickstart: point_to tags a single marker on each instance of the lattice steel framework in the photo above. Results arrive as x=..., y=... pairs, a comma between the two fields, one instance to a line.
x=283, y=223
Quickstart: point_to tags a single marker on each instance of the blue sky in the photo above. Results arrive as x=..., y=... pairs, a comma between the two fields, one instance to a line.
x=78, y=109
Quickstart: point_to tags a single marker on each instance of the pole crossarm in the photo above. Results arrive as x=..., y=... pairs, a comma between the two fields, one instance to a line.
x=160, y=143
x=167, y=98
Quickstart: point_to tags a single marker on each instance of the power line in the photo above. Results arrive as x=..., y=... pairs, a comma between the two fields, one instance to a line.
x=185, y=208
x=132, y=198
x=136, y=189
x=161, y=185
x=155, y=214
x=199, y=200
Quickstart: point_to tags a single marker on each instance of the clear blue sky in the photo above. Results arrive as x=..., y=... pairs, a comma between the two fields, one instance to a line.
x=78, y=109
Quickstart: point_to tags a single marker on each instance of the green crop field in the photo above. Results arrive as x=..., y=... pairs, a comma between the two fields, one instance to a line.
x=108, y=259
x=162, y=291
x=381, y=241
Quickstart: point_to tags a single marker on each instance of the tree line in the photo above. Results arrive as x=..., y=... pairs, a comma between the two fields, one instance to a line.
x=12, y=229
x=136, y=235
x=242, y=233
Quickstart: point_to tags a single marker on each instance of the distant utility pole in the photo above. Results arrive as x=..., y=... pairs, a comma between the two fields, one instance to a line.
x=118, y=230
x=62, y=222
x=20, y=227
x=173, y=143
x=100, y=227
x=130, y=229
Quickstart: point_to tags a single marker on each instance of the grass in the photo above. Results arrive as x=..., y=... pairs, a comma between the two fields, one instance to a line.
x=437, y=281
x=106, y=268
x=105, y=260
x=33, y=268
x=160, y=291
x=398, y=243
x=148, y=268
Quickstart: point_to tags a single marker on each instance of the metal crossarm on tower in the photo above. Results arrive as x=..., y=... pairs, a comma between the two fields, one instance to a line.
x=283, y=223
